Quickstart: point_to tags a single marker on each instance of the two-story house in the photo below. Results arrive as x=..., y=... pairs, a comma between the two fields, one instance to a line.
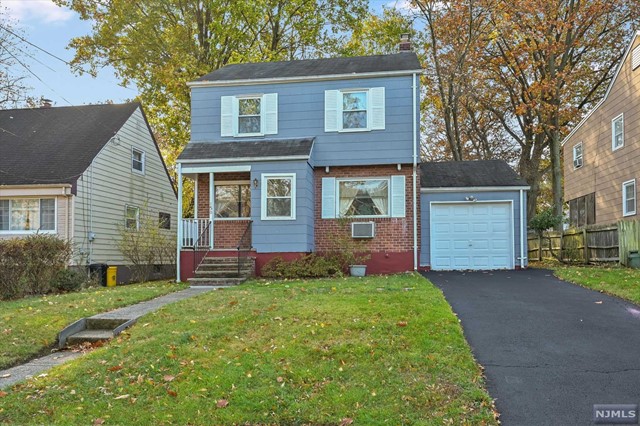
x=288, y=156
x=602, y=153
x=84, y=173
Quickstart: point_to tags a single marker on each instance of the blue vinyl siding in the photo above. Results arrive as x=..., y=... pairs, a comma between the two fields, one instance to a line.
x=427, y=198
x=301, y=114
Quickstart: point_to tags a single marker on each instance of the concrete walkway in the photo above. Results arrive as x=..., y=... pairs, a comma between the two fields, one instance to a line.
x=38, y=366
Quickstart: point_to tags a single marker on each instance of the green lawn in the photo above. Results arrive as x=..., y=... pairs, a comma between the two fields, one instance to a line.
x=617, y=281
x=377, y=350
x=29, y=327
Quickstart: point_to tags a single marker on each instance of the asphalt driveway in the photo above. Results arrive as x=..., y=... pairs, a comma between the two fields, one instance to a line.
x=551, y=349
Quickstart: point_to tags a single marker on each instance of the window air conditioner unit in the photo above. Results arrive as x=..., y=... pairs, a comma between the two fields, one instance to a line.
x=577, y=163
x=363, y=229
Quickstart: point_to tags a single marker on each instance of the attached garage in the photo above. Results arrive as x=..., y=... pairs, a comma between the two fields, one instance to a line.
x=473, y=216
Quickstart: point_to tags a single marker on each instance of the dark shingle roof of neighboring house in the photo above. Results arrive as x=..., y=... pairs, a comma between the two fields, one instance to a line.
x=405, y=61
x=461, y=174
x=55, y=145
x=255, y=149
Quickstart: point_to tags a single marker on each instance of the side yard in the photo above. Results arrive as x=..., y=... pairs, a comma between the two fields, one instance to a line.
x=616, y=281
x=369, y=351
x=29, y=327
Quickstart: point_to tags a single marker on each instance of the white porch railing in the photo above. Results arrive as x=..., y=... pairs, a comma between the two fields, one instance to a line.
x=196, y=231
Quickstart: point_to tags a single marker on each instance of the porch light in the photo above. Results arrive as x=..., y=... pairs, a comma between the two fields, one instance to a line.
x=255, y=183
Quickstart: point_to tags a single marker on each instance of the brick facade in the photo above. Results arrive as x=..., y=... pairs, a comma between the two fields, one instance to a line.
x=393, y=235
x=226, y=233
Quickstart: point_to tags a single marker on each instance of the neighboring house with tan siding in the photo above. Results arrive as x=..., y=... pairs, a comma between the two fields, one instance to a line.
x=602, y=153
x=83, y=173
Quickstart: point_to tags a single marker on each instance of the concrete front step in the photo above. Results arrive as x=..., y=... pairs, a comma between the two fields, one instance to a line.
x=225, y=266
x=194, y=282
x=210, y=259
x=222, y=274
x=104, y=323
x=89, y=336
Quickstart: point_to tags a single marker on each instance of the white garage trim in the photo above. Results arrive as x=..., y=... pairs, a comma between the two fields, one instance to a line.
x=511, y=228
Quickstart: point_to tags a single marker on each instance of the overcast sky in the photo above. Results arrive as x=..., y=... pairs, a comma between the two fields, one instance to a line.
x=51, y=28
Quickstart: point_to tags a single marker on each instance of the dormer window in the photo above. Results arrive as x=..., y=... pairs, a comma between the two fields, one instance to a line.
x=249, y=115
x=635, y=58
x=617, y=132
x=577, y=155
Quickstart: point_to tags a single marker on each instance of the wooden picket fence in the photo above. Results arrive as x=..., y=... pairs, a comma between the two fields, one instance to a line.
x=593, y=244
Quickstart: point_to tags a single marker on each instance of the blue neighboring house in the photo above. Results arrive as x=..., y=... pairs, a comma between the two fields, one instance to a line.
x=286, y=156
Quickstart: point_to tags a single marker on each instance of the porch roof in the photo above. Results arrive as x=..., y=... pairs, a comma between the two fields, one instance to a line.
x=254, y=150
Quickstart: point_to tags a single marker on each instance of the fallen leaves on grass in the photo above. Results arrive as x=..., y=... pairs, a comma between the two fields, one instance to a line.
x=172, y=393
x=169, y=378
x=346, y=421
x=222, y=403
x=3, y=394
x=401, y=324
x=115, y=368
x=98, y=421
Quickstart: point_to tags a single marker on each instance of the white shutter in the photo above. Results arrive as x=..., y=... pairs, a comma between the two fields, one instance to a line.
x=398, y=199
x=226, y=116
x=331, y=112
x=376, y=121
x=328, y=198
x=635, y=58
x=270, y=113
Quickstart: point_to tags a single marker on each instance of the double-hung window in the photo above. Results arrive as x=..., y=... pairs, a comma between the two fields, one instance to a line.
x=577, y=155
x=232, y=200
x=279, y=196
x=363, y=197
x=28, y=215
x=132, y=218
x=353, y=110
x=629, y=198
x=137, y=161
x=617, y=132
x=249, y=115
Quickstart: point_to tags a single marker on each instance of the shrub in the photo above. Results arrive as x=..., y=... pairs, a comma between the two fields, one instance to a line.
x=68, y=280
x=307, y=266
x=28, y=265
x=147, y=247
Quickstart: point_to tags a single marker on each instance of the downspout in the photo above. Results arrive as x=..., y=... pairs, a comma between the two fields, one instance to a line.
x=90, y=258
x=180, y=223
x=522, y=240
x=415, y=166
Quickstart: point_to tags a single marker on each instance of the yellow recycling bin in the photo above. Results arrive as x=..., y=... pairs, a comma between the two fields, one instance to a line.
x=112, y=272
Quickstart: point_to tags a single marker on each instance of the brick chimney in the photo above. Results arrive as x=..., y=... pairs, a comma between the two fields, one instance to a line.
x=405, y=42
x=46, y=103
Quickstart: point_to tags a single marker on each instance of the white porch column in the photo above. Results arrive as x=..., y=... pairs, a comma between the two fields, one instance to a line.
x=195, y=198
x=211, y=209
x=179, y=244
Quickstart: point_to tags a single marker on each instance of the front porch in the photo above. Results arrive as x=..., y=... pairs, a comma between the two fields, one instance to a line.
x=215, y=246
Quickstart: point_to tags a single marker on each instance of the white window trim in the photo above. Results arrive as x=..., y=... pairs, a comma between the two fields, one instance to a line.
x=144, y=161
x=33, y=231
x=126, y=207
x=579, y=144
x=388, y=179
x=236, y=115
x=341, y=110
x=226, y=183
x=263, y=195
x=613, y=132
x=624, y=200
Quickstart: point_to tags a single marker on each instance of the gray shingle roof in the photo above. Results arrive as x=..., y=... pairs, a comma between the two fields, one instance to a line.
x=55, y=145
x=264, y=148
x=460, y=174
x=405, y=61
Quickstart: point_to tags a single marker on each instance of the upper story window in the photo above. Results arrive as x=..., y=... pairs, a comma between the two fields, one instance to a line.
x=132, y=218
x=28, y=215
x=137, y=160
x=577, y=155
x=278, y=196
x=249, y=115
x=354, y=110
x=617, y=132
x=635, y=58
x=629, y=198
